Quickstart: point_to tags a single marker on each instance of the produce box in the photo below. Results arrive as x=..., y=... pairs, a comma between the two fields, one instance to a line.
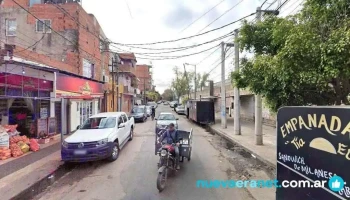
x=44, y=141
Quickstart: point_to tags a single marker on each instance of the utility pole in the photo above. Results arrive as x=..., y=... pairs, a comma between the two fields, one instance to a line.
x=258, y=104
x=113, y=83
x=258, y=100
x=223, y=89
x=195, y=82
x=188, y=83
x=223, y=84
x=237, y=103
x=117, y=73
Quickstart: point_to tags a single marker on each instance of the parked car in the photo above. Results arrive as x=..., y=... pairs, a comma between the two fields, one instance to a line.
x=172, y=104
x=159, y=102
x=164, y=119
x=152, y=103
x=139, y=113
x=99, y=137
x=180, y=109
x=166, y=103
x=148, y=111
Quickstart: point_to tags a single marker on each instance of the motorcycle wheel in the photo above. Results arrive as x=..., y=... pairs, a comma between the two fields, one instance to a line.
x=161, y=181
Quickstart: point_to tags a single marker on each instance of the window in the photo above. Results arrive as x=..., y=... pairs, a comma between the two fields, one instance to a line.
x=88, y=69
x=120, y=120
x=99, y=123
x=125, y=119
x=11, y=26
x=41, y=27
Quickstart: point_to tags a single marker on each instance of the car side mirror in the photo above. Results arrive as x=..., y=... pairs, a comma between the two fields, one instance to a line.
x=122, y=125
x=78, y=127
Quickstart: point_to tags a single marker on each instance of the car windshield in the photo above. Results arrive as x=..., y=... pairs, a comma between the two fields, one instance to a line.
x=151, y=103
x=99, y=123
x=181, y=107
x=166, y=117
x=137, y=110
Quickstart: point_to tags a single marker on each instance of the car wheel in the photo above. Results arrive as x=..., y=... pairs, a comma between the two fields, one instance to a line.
x=131, y=133
x=115, y=153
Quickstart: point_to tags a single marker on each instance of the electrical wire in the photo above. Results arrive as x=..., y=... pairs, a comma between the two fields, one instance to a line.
x=221, y=16
x=201, y=16
x=182, y=49
x=34, y=45
x=192, y=36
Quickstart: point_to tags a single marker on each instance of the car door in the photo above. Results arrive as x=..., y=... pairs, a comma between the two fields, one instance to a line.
x=127, y=126
x=121, y=130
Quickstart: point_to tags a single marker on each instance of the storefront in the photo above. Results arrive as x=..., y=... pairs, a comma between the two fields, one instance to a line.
x=25, y=97
x=84, y=98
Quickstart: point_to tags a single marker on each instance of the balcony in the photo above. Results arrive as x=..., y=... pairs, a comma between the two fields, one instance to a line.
x=123, y=68
x=129, y=90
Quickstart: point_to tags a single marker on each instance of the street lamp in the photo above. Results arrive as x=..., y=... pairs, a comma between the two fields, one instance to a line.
x=195, y=79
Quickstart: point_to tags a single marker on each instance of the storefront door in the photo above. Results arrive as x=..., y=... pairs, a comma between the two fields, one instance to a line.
x=86, y=110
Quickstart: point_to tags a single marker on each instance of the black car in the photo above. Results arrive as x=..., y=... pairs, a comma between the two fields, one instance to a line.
x=139, y=113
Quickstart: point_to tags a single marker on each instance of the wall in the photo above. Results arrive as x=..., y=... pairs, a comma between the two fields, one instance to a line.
x=52, y=49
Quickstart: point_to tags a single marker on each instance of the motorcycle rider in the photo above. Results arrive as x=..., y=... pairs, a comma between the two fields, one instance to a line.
x=169, y=137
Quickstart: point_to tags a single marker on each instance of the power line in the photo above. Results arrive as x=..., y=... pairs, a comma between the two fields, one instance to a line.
x=221, y=15
x=181, y=56
x=201, y=16
x=212, y=53
x=182, y=49
x=184, y=38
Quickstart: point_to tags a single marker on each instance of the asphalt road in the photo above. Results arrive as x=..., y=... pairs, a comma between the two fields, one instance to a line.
x=133, y=175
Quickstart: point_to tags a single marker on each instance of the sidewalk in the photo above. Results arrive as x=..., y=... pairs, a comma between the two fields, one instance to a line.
x=267, y=153
x=17, y=175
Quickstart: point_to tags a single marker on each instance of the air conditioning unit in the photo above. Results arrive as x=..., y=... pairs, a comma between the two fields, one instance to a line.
x=105, y=79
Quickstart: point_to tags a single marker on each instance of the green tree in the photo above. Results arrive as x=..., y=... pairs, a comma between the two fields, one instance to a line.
x=181, y=82
x=203, y=81
x=168, y=95
x=300, y=60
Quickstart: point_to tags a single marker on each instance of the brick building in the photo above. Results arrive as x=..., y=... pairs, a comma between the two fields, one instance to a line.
x=144, y=74
x=64, y=37
x=125, y=77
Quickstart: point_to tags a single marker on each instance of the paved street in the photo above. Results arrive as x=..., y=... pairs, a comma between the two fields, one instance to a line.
x=133, y=175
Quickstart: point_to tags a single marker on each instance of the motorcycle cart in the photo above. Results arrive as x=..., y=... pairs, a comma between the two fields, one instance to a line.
x=185, y=148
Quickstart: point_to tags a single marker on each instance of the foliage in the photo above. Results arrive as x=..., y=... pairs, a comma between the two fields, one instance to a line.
x=168, y=95
x=300, y=60
x=203, y=81
x=184, y=100
x=153, y=96
x=181, y=82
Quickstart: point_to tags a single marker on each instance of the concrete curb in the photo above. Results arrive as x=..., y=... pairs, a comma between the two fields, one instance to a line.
x=230, y=139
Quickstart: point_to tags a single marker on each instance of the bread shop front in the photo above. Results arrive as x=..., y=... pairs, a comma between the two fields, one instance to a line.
x=84, y=98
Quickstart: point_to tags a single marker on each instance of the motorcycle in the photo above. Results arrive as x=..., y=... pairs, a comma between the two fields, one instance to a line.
x=167, y=161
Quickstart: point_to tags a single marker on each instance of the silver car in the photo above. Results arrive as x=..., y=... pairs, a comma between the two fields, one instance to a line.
x=180, y=109
x=164, y=119
x=149, y=111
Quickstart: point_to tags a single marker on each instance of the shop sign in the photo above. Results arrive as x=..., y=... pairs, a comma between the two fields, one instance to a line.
x=52, y=126
x=42, y=128
x=19, y=93
x=313, y=144
x=78, y=85
x=28, y=83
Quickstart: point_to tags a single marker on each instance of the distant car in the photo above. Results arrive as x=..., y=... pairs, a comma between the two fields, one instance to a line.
x=172, y=104
x=149, y=111
x=166, y=103
x=180, y=109
x=100, y=137
x=159, y=102
x=152, y=103
x=164, y=119
x=139, y=113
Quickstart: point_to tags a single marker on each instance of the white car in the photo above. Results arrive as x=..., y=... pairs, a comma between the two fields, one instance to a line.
x=180, y=109
x=100, y=137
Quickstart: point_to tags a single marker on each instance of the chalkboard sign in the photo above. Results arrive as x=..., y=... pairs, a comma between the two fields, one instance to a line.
x=52, y=126
x=42, y=128
x=313, y=144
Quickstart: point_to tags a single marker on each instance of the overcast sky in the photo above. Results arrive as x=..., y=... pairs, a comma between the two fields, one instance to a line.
x=144, y=21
